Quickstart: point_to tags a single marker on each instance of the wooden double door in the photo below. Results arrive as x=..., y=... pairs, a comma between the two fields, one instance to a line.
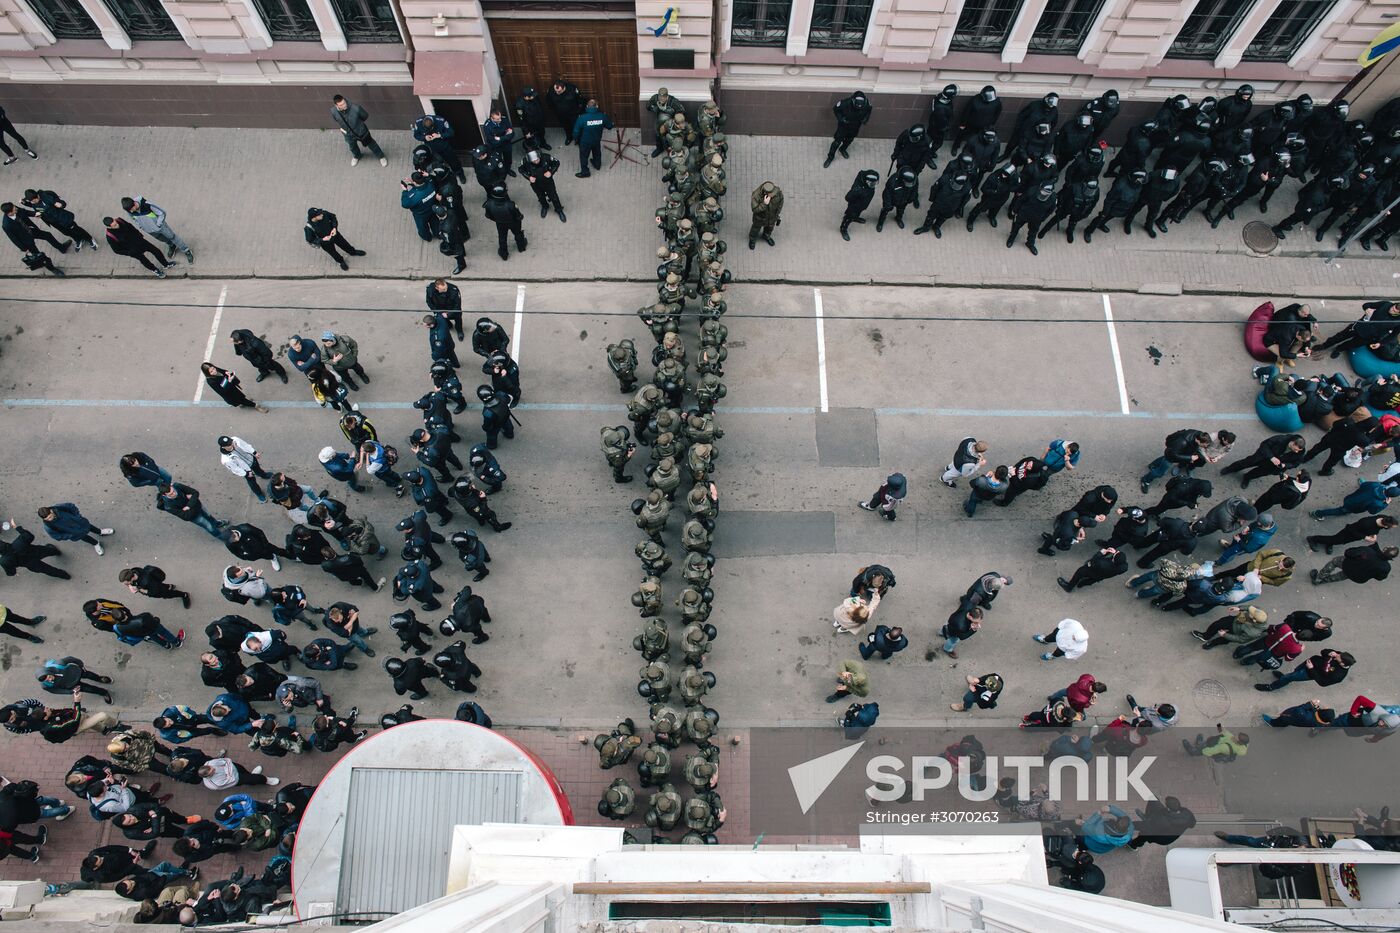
x=600, y=56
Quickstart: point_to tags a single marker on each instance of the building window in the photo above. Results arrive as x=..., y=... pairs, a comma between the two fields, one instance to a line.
x=1208, y=28
x=367, y=20
x=66, y=19
x=288, y=20
x=984, y=25
x=143, y=19
x=761, y=22
x=1063, y=26
x=839, y=24
x=1292, y=22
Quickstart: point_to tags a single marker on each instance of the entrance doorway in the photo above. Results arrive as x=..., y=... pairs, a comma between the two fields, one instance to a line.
x=600, y=56
x=462, y=115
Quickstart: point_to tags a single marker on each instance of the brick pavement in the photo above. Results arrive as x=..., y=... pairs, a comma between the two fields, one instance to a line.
x=239, y=197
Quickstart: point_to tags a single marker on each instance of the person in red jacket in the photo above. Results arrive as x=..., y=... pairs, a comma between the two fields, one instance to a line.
x=1325, y=670
x=1081, y=694
x=1270, y=650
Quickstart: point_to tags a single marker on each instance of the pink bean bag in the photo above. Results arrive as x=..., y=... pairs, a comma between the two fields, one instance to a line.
x=1254, y=333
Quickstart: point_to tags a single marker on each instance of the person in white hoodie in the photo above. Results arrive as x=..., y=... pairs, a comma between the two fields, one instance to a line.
x=1070, y=638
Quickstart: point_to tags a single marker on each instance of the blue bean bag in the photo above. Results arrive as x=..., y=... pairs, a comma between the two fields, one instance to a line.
x=1367, y=364
x=1282, y=418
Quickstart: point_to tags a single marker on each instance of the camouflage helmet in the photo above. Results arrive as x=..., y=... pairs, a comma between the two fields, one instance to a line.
x=663, y=252
x=666, y=464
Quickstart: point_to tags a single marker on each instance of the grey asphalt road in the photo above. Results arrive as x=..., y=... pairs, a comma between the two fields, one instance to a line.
x=90, y=370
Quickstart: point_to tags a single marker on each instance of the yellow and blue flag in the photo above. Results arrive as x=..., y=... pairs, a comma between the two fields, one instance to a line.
x=1386, y=42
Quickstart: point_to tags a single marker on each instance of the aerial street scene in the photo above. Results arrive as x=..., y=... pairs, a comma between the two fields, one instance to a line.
x=683, y=466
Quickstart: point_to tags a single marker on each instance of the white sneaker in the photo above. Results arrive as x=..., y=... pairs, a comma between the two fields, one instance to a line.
x=258, y=770
x=98, y=549
x=383, y=162
x=276, y=564
x=104, y=531
x=354, y=160
x=273, y=782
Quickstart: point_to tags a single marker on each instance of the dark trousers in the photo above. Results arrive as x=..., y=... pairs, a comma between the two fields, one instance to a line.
x=47, y=237
x=13, y=619
x=344, y=375
x=511, y=228
x=548, y=193
x=144, y=247
x=34, y=561
x=75, y=232
x=990, y=207
x=269, y=366
x=8, y=129
x=1161, y=550
x=1341, y=537
x=1335, y=453
x=1054, y=221
x=366, y=140
x=330, y=245
x=592, y=152
x=1302, y=215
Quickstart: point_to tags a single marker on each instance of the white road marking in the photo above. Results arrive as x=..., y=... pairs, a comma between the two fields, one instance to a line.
x=1117, y=358
x=213, y=336
x=519, y=317
x=821, y=348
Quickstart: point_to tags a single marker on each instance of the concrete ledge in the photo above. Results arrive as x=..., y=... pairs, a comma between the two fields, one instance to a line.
x=1160, y=288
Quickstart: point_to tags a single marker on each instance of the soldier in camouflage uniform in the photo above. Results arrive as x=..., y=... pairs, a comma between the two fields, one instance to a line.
x=714, y=181
x=679, y=158
x=667, y=420
x=713, y=278
x=652, y=514
x=687, y=243
x=677, y=127
x=700, y=458
x=661, y=318
x=669, y=262
x=685, y=184
x=701, y=428
x=707, y=215
x=710, y=120
x=713, y=334
x=666, y=725
x=711, y=360
x=655, y=683
x=619, y=800
x=715, y=145
x=655, y=640
x=655, y=560
x=647, y=599
x=696, y=537
x=715, y=306
x=670, y=378
x=671, y=292
x=667, y=445
x=664, y=808
x=767, y=204
x=702, y=502
x=704, y=814
x=655, y=766
x=665, y=477
x=701, y=771
x=622, y=360
x=616, y=747
x=669, y=215
x=695, y=643
x=698, y=725
x=698, y=569
x=694, y=684
x=694, y=604
x=708, y=391
x=644, y=404
x=664, y=106
x=671, y=347
x=618, y=449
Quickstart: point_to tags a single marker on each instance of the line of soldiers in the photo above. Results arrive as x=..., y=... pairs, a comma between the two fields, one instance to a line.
x=681, y=440
x=1217, y=155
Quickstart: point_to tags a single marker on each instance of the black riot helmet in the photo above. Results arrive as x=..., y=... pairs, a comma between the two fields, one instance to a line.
x=1042, y=129
x=1086, y=119
x=1283, y=158
x=1048, y=160
x=870, y=177
x=1181, y=102
x=916, y=131
x=989, y=136
x=1094, y=154
x=1052, y=99
x=859, y=94
x=1149, y=126
x=1208, y=104
x=498, y=193
x=1337, y=182
x=394, y=666
x=1216, y=166
x=1244, y=91
x=1305, y=104
x=1111, y=96
x=949, y=92
x=1246, y=158
x=1246, y=133
x=1092, y=184
x=485, y=393
x=1046, y=190
x=1285, y=110
x=1139, y=176
x=1295, y=141
x=989, y=93
x=908, y=177
x=959, y=181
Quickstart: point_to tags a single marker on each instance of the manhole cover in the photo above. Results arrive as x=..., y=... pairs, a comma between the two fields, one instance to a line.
x=1259, y=237
x=1211, y=699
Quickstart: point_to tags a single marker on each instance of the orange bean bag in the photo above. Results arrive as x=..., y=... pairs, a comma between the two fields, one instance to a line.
x=1254, y=333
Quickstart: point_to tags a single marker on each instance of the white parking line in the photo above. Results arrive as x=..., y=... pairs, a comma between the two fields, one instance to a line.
x=519, y=317
x=1117, y=358
x=821, y=347
x=213, y=336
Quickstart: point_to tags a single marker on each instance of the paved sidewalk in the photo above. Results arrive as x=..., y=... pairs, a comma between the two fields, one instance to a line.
x=240, y=196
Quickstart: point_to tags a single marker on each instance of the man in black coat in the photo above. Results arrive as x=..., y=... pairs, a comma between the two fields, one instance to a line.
x=1075, y=202
x=901, y=190
x=913, y=151
x=851, y=114
x=940, y=115
x=22, y=235
x=257, y=351
x=948, y=197
x=501, y=211
x=249, y=542
x=996, y=190
x=981, y=113
x=858, y=199
x=1173, y=534
x=1136, y=150
x=23, y=552
x=1068, y=530
x=1045, y=110
x=323, y=230
x=1132, y=529
x=530, y=114
x=565, y=100
x=1275, y=455
x=540, y=171
x=1312, y=199
x=1162, y=185
x=1120, y=201
x=1030, y=213
x=1107, y=563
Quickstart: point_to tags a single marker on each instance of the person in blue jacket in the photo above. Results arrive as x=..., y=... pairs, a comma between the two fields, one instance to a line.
x=588, y=130
x=417, y=198
x=1369, y=497
x=437, y=134
x=64, y=522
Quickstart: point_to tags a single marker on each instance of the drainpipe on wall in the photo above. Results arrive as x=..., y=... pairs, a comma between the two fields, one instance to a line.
x=716, y=24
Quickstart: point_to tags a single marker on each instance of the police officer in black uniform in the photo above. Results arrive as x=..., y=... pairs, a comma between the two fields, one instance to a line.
x=851, y=114
x=858, y=199
x=540, y=171
x=501, y=210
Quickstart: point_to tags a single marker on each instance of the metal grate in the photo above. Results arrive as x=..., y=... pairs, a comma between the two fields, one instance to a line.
x=839, y=24
x=398, y=831
x=66, y=19
x=288, y=20
x=143, y=19
x=367, y=20
x=1208, y=28
x=1285, y=30
x=1063, y=26
x=984, y=26
x=760, y=22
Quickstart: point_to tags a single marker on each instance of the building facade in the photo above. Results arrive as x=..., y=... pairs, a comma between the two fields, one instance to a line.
x=776, y=65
